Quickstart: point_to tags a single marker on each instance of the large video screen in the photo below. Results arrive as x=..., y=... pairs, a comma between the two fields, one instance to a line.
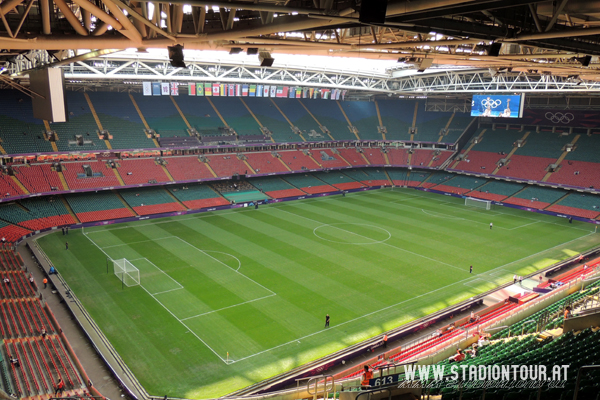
x=497, y=106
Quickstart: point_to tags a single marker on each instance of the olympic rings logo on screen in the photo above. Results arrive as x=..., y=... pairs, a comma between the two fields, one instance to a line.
x=559, y=118
x=491, y=103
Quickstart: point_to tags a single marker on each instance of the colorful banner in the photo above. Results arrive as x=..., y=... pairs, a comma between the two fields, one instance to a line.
x=259, y=91
x=291, y=93
x=215, y=89
x=223, y=90
x=208, y=89
x=266, y=90
x=298, y=92
x=344, y=94
x=231, y=90
x=273, y=91
x=252, y=91
x=238, y=90
x=192, y=89
x=200, y=89
x=174, y=89
x=244, y=90
x=165, y=89
x=155, y=88
x=147, y=88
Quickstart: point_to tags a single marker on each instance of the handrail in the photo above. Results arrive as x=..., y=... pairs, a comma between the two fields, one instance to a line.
x=583, y=369
x=368, y=392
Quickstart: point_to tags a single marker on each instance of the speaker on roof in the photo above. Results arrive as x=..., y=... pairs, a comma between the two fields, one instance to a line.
x=494, y=50
x=265, y=59
x=252, y=51
x=371, y=11
x=50, y=83
x=176, y=56
x=585, y=61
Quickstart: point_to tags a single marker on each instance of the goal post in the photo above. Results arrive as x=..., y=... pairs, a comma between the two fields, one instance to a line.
x=478, y=203
x=126, y=272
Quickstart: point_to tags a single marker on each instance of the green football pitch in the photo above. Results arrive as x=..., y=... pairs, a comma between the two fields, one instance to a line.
x=230, y=298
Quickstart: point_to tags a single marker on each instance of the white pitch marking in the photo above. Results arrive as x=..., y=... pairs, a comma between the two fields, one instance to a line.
x=224, y=308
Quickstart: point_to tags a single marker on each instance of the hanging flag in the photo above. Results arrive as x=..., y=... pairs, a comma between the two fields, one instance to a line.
x=273, y=91
x=312, y=92
x=259, y=90
x=252, y=91
x=325, y=93
x=231, y=89
x=208, y=89
x=215, y=89
x=266, y=90
x=155, y=88
x=200, y=89
x=338, y=93
x=304, y=93
x=291, y=92
x=344, y=94
x=165, y=89
x=333, y=93
x=223, y=90
x=147, y=88
x=238, y=89
x=192, y=89
x=244, y=90
x=174, y=89
x=298, y=92
x=279, y=92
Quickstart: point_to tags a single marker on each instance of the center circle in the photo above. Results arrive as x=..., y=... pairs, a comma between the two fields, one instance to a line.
x=352, y=233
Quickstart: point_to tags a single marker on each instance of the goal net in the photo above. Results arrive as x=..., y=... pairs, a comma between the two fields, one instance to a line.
x=126, y=272
x=479, y=203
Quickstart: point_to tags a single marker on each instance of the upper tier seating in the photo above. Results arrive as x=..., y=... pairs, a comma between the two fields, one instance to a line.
x=338, y=180
x=328, y=113
x=397, y=156
x=422, y=157
x=120, y=118
x=200, y=114
x=577, y=173
x=236, y=115
x=328, y=159
x=265, y=163
x=161, y=115
x=363, y=116
x=369, y=176
x=20, y=132
x=459, y=123
x=141, y=171
x=196, y=196
x=81, y=122
x=586, y=148
x=352, y=156
x=579, y=204
x=439, y=159
x=270, y=117
x=98, y=206
x=496, y=190
x=430, y=124
x=276, y=187
x=293, y=110
x=187, y=168
x=227, y=165
x=38, y=178
x=397, y=117
x=403, y=177
x=8, y=187
x=543, y=144
x=479, y=161
x=72, y=169
x=536, y=197
x=309, y=184
x=375, y=156
x=297, y=161
x=526, y=167
x=150, y=200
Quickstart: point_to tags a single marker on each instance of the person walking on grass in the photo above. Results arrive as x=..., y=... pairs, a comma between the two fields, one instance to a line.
x=66, y=245
x=327, y=321
x=491, y=225
x=471, y=269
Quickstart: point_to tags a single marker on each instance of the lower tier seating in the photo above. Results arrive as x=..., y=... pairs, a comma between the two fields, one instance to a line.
x=197, y=196
x=99, y=206
x=152, y=200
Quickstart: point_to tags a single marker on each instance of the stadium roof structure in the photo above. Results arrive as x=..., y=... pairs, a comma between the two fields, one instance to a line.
x=458, y=46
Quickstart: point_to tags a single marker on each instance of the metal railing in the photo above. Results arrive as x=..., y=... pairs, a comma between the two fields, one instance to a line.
x=581, y=371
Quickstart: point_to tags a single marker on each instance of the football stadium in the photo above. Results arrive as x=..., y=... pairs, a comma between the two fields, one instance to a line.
x=283, y=200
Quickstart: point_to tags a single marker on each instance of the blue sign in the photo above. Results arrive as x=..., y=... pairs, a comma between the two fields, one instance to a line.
x=497, y=106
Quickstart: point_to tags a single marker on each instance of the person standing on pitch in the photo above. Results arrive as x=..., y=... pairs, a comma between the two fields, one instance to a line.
x=66, y=245
x=471, y=269
x=491, y=225
x=327, y=321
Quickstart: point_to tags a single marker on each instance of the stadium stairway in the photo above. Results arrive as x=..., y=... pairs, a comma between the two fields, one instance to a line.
x=286, y=118
x=465, y=153
x=141, y=115
x=255, y=118
x=98, y=122
x=314, y=118
x=560, y=159
x=351, y=127
x=510, y=154
x=180, y=112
